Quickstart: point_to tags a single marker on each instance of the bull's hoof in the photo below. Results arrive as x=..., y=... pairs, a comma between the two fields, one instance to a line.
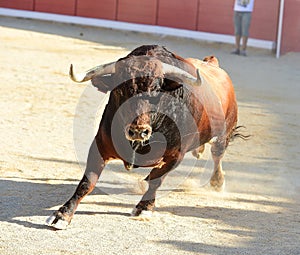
x=217, y=181
x=197, y=155
x=141, y=215
x=218, y=186
x=57, y=221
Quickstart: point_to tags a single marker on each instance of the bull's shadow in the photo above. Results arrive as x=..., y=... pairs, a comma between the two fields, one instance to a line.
x=36, y=197
x=21, y=198
x=25, y=198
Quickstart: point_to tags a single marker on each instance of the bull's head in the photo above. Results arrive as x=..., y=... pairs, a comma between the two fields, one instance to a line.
x=137, y=83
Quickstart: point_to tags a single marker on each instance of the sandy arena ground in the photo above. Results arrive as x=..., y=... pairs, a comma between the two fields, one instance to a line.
x=40, y=107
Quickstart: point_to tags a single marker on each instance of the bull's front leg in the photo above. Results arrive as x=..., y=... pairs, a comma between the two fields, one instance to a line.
x=146, y=206
x=95, y=164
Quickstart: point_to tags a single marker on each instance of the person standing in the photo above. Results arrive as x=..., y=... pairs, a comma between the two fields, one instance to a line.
x=242, y=19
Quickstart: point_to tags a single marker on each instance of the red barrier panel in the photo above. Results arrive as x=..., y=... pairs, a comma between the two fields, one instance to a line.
x=17, y=4
x=264, y=20
x=137, y=11
x=291, y=27
x=102, y=9
x=215, y=16
x=178, y=13
x=56, y=6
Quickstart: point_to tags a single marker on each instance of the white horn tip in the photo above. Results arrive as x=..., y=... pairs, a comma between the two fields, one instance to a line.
x=199, y=78
x=76, y=78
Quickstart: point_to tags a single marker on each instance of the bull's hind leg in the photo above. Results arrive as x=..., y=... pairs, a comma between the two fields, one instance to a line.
x=95, y=164
x=217, y=179
x=197, y=153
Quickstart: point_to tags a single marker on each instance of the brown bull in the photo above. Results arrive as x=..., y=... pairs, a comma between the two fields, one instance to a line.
x=160, y=107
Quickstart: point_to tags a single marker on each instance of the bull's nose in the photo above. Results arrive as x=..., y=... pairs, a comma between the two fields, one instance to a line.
x=138, y=132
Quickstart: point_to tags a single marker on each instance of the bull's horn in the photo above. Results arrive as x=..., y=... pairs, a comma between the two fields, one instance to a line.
x=98, y=70
x=182, y=75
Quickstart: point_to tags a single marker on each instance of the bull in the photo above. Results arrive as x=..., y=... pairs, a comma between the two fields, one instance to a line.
x=160, y=107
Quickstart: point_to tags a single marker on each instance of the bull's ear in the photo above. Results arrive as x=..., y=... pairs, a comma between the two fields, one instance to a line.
x=103, y=83
x=170, y=85
x=211, y=60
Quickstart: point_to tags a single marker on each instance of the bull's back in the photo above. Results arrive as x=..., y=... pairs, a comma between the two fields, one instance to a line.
x=218, y=80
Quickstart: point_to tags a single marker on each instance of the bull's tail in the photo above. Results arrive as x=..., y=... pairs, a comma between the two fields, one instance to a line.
x=237, y=133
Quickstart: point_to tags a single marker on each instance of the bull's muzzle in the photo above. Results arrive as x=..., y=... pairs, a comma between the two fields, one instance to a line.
x=140, y=133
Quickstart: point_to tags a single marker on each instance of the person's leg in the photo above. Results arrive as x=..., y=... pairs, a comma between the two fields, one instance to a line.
x=246, y=20
x=244, y=42
x=237, y=42
x=237, y=31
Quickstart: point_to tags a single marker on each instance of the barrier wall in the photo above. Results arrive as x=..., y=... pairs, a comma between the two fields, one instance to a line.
x=291, y=27
x=213, y=16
